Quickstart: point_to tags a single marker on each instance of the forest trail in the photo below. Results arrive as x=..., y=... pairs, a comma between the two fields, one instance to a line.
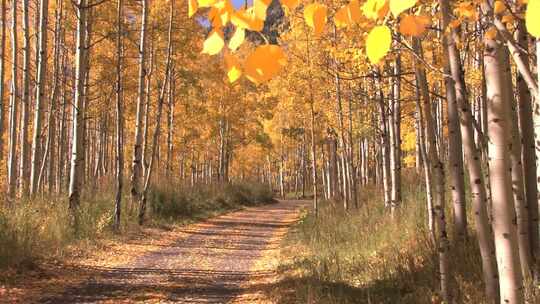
x=227, y=259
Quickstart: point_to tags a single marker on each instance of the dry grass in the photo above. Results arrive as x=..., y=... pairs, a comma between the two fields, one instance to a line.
x=31, y=230
x=365, y=256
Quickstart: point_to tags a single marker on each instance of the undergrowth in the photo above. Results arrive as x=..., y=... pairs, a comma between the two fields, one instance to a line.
x=366, y=256
x=38, y=228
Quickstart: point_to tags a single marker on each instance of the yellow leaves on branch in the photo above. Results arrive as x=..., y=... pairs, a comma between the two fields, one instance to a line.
x=206, y=3
x=290, y=4
x=260, y=7
x=412, y=25
x=234, y=70
x=375, y=9
x=220, y=15
x=315, y=17
x=246, y=19
x=214, y=43
x=378, y=43
x=237, y=39
x=348, y=15
x=193, y=5
x=399, y=6
x=532, y=17
x=264, y=63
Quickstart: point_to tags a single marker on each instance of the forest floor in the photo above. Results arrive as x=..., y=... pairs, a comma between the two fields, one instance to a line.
x=228, y=259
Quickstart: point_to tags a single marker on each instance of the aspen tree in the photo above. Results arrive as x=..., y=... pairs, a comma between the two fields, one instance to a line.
x=437, y=174
x=384, y=141
x=77, y=148
x=3, y=56
x=136, y=167
x=14, y=101
x=168, y=75
x=119, y=118
x=472, y=156
x=504, y=227
x=25, y=103
x=395, y=137
x=526, y=128
x=455, y=160
x=40, y=94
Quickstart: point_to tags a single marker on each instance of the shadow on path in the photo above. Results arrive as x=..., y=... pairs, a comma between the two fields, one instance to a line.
x=212, y=263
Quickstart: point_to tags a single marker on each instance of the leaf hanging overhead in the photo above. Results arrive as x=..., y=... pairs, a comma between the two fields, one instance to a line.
x=413, y=25
x=348, y=15
x=399, y=6
x=193, y=5
x=237, y=39
x=234, y=70
x=214, y=43
x=289, y=4
x=378, y=43
x=206, y=3
x=315, y=17
x=260, y=7
x=532, y=18
x=246, y=19
x=264, y=63
x=375, y=9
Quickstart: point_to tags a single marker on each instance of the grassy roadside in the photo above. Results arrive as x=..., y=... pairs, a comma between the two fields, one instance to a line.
x=38, y=230
x=365, y=256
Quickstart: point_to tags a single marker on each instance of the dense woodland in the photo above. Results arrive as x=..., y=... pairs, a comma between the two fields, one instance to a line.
x=317, y=100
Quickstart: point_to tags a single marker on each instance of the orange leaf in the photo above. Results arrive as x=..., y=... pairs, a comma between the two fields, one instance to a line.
x=264, y=63
x=348, y=15
x=193, y=5
x=247, y=20
x=315, y=17
x=413, y=25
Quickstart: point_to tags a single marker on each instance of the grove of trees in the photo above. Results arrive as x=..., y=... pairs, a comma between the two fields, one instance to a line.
x=313, y=98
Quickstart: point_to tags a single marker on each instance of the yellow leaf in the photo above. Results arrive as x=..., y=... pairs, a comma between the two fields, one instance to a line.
x=399, y=6
x=375, y=9
x=206, y=3
x=290, y=4
x=260, y=7
x=348, y=15
x=237, y=39
x=234, y=70
x=532, y=18
x=264, y=63
x=193, y=5
x=378, y=43
x=315, y=17
x=214, y=43
x=247, y=20
x=413, y=25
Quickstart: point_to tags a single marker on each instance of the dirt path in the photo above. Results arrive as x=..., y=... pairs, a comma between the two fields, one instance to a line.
x=223, y=260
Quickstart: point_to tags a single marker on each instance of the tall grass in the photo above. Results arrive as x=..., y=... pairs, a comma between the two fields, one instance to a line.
x=37, y=228
x=366, y=256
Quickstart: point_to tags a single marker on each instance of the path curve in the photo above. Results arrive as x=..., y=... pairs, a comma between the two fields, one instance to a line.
x=218, y=261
